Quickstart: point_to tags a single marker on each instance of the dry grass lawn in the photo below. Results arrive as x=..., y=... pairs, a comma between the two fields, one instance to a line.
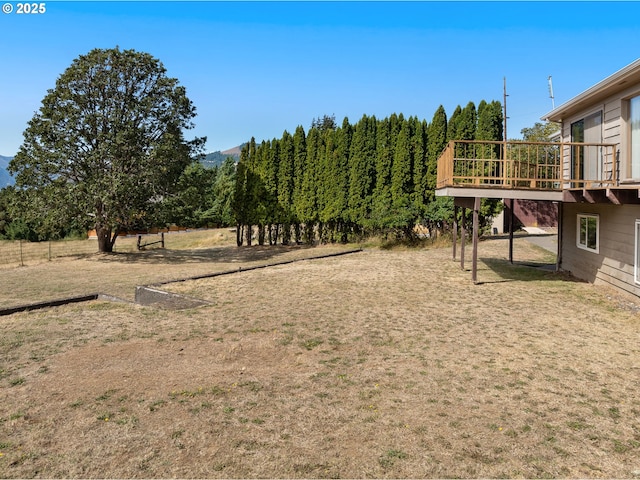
x=118, y=274
x=375, y=364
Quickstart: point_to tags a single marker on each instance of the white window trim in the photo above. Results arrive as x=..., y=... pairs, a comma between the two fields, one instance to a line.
x=636, y=266
x=585, y=247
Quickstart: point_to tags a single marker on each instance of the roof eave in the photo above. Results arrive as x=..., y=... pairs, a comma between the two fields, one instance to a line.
x=609, y=85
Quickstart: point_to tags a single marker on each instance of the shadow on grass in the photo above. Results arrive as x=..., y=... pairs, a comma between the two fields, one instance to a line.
x=227, y=254
x=524, y=272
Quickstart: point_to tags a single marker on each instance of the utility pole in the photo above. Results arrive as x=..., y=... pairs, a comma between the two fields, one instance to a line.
x=510, y=202
x=504, y=106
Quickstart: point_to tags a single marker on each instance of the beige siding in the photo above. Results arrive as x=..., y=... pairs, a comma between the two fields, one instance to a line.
x=614, y=264
x=611, y=124
x=614, y=127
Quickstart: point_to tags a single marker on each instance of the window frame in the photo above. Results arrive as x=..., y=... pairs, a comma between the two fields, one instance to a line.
x=636, y=265
x=587, y=164
x=628, y=171
x=585, y=245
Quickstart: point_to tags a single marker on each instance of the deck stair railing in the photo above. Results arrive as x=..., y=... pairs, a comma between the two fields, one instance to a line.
x=527, y=165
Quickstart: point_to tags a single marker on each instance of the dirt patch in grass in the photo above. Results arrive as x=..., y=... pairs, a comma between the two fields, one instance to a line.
x=382, y=364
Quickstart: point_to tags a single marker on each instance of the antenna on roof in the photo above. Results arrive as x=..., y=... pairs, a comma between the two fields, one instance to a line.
x=553, y=103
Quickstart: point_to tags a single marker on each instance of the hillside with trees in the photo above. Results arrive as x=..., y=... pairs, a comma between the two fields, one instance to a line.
x=5, y=178
x=217, y=158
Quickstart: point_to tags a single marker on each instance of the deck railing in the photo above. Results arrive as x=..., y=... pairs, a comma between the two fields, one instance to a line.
x=528, y=165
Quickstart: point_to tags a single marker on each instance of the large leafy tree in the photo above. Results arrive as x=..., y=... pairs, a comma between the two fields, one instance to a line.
x=540, y=132
x=107, y=143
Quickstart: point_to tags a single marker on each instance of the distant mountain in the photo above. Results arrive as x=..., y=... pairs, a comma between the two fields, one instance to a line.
x=216, y=159
x=5, y=178
x=211, y=160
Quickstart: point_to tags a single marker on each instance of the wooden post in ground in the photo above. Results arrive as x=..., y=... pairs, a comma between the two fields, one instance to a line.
x=474, y=268
x=511, y=222
x=455, y=230
x=463, y=236
x=559, y=236
x=462, y=203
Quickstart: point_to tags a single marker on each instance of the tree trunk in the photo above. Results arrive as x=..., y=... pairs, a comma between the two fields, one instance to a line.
x=239, y=231
x=249, y=234
x=286, y=233
x=105, y=241
x=296, y=232
x=276, y=233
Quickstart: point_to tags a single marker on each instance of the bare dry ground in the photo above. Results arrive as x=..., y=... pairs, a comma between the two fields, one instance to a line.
x=375, y=364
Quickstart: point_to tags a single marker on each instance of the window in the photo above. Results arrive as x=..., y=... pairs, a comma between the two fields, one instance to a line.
x=586, y=162
x=588, y=233
x=634, y=124
x=636, y=268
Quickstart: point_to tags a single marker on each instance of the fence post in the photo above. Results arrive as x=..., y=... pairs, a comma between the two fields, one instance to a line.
x=21, y=260
x=49, y=250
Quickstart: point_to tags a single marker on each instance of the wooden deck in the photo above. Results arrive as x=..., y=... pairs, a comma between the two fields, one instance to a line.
x=577, y=172
x=531, y=170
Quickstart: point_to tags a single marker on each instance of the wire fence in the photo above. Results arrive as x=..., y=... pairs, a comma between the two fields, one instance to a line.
x=21, y=252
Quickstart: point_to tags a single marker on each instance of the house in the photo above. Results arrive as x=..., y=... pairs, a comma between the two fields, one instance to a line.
x=593, y=172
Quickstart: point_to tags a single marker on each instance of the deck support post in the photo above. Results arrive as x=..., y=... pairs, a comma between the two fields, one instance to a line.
x=474, y=268
x=559, y=237
x=463, y=236
x=511, y=222
x=455, y=230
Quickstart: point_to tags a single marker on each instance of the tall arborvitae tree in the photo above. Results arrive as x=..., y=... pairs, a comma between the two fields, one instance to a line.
x=489, y=127
x=439, y=211
x=285, y=185
x=437, y=141
x=467, y=124
x=335, y=183
x=299, y=163
x=325, y=146
x=241, y=197
x=401, y=189
x=419, y=150
x=339, y=205
x=362, y=171
x=251, y=192
x=258, y=168
x=381, y=202
x=453, y=131
x=307, y=208
x=272, y=159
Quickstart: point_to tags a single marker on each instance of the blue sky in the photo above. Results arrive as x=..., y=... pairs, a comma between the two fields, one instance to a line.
x=259, y=68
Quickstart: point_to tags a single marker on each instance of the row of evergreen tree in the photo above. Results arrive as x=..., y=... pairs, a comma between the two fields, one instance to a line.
x=333, y=182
